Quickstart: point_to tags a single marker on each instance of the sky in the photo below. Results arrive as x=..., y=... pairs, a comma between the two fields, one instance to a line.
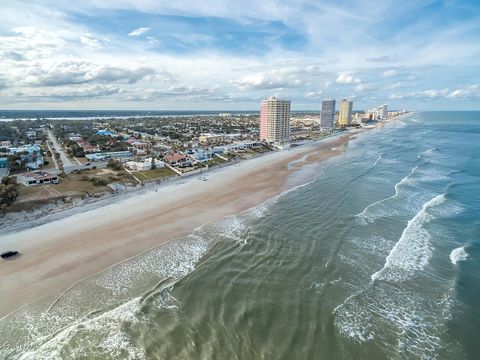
x=228, y=55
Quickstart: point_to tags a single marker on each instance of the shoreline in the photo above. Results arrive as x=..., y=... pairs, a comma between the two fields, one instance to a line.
x=15, y=221
x=61, y=252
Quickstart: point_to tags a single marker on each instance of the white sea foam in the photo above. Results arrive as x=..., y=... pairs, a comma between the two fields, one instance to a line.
x=430, y=175
x=111, y=341
x=413, y=250
x=399, y=318
x=376, y=161
x=172, y=260
x=366, y=216
x=458, y=254
x=428, y=152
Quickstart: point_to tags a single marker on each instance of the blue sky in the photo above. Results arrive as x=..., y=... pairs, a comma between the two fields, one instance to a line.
x=146, y=54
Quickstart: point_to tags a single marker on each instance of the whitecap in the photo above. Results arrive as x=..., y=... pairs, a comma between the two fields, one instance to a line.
x=458, y=254
x=377, y=160
x=413, y=250
x=366, y=215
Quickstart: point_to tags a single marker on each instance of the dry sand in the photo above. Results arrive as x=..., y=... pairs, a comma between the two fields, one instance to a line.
x=57, y=254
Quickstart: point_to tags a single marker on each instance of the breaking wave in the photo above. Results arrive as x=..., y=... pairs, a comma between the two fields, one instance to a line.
x=458, y=254
x=413, y=250
x=366, y=217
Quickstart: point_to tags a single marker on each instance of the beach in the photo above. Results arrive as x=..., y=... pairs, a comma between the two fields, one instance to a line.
x=57, y=254
x=295, y=254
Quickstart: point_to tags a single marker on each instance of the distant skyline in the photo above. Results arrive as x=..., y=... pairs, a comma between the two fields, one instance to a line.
x=145, y=54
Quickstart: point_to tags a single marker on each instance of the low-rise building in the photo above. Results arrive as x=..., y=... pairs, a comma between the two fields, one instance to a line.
x=37, y=178
x=144, y=165
x=208, y=139
x=109, y=155
x=176, y=159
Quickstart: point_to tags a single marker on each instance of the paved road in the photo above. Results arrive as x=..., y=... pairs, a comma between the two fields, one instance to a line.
x=55, y=163
x=66, y=161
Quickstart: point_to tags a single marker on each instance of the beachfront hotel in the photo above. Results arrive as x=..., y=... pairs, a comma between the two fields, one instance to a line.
x=345, y=113
x=327, y=116
x=275, y=120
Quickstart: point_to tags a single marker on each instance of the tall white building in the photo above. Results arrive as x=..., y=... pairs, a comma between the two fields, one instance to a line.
x=327, y=116
x=383, y=111
x=380, y=112
x=275, y=120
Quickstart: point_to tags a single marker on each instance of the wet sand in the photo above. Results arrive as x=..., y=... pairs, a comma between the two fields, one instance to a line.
x=59, y=253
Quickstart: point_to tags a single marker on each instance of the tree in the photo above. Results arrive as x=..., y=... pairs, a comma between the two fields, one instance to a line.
x=114, y=164
x=8, y=191
x=154, y=166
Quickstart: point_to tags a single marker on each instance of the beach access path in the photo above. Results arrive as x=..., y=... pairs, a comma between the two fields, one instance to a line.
x=65, y=160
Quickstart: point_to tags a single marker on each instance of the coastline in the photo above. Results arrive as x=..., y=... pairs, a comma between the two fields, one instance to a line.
x=59, y=253
x=18, y=221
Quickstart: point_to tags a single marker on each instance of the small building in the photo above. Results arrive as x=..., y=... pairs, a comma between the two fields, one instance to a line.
x=37, y=178
x=109, y=155
x=207, y=139
x=104, y=133
x=175, y=159
x=202, y=155
x=28, y=149
x=3, y=162
x=144, y=165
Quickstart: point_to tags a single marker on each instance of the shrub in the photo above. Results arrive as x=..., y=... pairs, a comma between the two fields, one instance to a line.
x=99, y=182
x=114, y=164
x=8, y=191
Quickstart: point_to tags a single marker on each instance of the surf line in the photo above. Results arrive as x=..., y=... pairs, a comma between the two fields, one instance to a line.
x=397, y=185
x=410, y=232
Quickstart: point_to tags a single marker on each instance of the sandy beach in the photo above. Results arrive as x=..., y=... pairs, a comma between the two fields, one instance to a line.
x=57, y=254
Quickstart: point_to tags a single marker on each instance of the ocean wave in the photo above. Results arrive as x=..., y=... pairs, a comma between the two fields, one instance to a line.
x=413, y=250
x=377, y=160
x=458, y=254
x=49, y=329
x=428, y=152
x=174, y=259
x=415, y=178
x=398, y=319
x=366, y=217
x=101, y=333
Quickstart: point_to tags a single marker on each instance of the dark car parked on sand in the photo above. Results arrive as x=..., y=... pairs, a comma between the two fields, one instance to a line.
x=9, y=254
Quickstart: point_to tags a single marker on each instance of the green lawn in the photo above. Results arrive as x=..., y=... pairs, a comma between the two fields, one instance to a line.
x=154, y=174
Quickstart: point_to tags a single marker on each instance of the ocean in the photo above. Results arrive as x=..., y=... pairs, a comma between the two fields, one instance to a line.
x=375, y=256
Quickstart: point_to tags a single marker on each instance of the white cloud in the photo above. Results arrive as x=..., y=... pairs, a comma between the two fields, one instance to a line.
x=151, y=40
x=362, y=87
x=347, y=78
x=285, y=77
x=64, y=54
x=139, y=31
x=389, y=73
x=67, y=93
x=432, y=93
x=73, y=72
x=395, y=85
x=91, y=42
x=396, y=97
x=467, y=92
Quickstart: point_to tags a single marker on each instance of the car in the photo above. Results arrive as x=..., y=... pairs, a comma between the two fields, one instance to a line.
x=9, y=254
x=87, y=164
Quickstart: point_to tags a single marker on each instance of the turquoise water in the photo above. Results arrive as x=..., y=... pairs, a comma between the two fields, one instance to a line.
x=375, y=257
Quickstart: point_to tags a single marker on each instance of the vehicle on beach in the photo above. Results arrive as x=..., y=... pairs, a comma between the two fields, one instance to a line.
x=9, y=254
x=203, y=178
